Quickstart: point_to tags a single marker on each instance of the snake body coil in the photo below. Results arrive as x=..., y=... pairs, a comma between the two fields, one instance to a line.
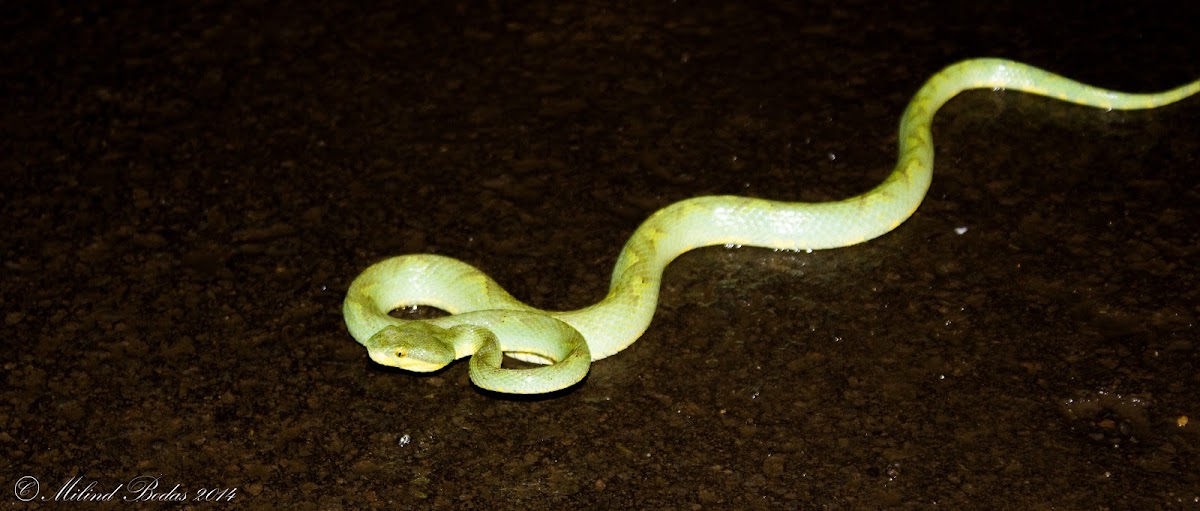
x=486, y=321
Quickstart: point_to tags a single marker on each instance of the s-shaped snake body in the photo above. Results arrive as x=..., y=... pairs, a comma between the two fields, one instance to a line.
x=487, y=322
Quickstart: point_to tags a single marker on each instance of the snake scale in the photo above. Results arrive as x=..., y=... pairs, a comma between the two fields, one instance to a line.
x=486, y=322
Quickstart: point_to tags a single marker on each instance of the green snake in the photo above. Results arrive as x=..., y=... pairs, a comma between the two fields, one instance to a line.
x=487, y=322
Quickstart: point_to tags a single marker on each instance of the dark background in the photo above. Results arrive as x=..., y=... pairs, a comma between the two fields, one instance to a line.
x=188, y=190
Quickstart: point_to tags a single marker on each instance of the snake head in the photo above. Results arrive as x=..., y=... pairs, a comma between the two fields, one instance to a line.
x=413, y=346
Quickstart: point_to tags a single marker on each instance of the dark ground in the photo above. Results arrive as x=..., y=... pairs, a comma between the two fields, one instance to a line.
x=188, y=191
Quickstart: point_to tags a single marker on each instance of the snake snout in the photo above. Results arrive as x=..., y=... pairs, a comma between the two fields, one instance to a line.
x=410, y=346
